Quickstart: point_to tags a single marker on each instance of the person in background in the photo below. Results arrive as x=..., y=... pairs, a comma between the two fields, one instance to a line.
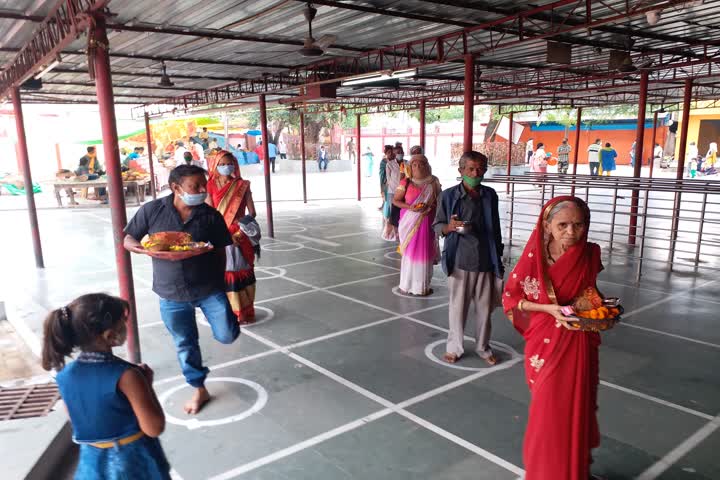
x=607, y=159
x=657, y=152
x=632, y=154
x=529, y=150
x=115, y=414
x=594, y=157
x=417, y=197
x=282, y=148
x=198, y=153
x=416, y=150
x=272, y=154
x=538, y=163
x=90, y=165
x=557, y=266
x=693, y=167
x=322, y=158
x=198, y=281
x=395, y=173
x=204, y=138
x=383, y=182
x=564, y=156
x=711, y=156
x=693, y=152
x=214, y=145
x=469, y=219
x=231, y=196
x=188, y=158
x=180, y=153
x=350, y=147
x=369, y=157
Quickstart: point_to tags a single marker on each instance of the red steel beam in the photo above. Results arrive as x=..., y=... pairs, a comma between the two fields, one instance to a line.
x=302, y=156
x=266, y=165
x=469, y=103
x=684, y=126
x=654, y=140
x=65, y=22
x=103, y=82
x=148, y=136
x=509, y=155
x=27, y=177
x=637, y=168
x=423, y=125
x=357, y=147
x=453, y=46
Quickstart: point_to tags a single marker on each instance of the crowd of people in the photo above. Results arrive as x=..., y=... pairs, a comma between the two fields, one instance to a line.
x=116, y=415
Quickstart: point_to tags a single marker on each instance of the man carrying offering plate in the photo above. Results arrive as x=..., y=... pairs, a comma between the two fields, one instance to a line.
x=187, y=240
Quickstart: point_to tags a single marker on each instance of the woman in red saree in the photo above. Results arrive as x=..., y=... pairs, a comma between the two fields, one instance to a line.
x=561, y=363
x=231, y=196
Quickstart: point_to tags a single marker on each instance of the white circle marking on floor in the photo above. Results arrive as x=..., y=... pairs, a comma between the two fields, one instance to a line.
x=194, y=423
x=514, y=358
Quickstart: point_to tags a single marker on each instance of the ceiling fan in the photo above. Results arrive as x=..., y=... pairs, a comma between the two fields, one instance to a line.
x=165, y=78
x=312, y=47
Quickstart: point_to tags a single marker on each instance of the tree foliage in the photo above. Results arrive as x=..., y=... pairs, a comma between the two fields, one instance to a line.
x=440, y=114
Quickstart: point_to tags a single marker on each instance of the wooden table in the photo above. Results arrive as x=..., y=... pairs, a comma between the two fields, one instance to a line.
x=69, y=186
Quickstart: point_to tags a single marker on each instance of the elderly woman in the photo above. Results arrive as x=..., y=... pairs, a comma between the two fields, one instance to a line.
x=417, y=197
x=557, y=266
x=231, y=196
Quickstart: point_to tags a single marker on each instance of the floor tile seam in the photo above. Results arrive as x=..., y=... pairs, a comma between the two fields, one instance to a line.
x=305, y=444
x=668, y=298
x=680, y=451
x=394, y=407
x=669, y=334
x=626, y=390
x=323, y=259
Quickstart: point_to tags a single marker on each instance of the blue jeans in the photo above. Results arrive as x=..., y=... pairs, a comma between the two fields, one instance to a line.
x=179, y=318
x=322, y=164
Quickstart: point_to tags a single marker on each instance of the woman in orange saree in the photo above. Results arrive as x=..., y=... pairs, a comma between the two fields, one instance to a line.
x=561, y=363
x=231, y=196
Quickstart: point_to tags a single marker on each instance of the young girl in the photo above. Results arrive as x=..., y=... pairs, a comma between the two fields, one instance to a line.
x=115, y=414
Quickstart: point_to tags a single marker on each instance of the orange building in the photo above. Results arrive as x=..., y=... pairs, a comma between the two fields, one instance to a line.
x=620, y=133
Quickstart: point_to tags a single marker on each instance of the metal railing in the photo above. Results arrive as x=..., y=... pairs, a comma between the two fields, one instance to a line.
x=675, y=222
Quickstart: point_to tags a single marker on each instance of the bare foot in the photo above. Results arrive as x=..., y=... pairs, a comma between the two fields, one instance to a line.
x=450, y=357
x=198, y=401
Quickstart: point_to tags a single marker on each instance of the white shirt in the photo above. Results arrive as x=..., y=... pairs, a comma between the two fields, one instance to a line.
x=200, y=151
x=594, y=153
x=658, y=152
x=692, y=151
x=180, y=156
x=283, y=148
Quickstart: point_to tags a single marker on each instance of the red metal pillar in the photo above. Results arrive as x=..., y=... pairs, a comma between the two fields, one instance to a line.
x=58, y=157
x=576, y=147
x=153, y=189
x=687, y=98
x=422, y=126
x=266, y=166
x=639, y=141
x=106, y=105
x=509, y=155
x=654, y=141
x=24, y=161
x=302, y=156
x=469, y=102
x=359, y=168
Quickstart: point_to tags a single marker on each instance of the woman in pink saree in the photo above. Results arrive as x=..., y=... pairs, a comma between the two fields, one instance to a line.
x=417, y=196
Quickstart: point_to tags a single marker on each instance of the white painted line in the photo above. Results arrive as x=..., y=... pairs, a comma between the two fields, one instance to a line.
x=672, y=457
x=340, y=333
x=660, y=401
x=220, y=366
x=317, y=240
x=298, y=447
x=669, y=298
x=174, y=475
x=395, y=408
x=668, y=334
x=354, y=234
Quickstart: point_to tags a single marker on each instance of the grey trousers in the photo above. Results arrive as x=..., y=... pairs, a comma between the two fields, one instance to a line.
x=470, y=288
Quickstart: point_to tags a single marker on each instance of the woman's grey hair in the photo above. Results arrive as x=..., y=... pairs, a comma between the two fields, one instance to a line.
x=474, y=156
x=419, y=158
x=563, y=205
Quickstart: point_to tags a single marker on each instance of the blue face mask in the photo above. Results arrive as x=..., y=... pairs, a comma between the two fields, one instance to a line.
x=226, y=169
x=193, y=199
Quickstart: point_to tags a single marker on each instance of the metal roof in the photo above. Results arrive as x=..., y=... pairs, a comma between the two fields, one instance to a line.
x=219, y=52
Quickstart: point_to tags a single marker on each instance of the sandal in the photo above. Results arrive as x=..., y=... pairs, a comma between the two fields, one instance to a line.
x=450, y=358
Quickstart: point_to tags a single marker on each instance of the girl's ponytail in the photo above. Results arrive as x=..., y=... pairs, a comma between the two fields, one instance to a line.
x=58, y=339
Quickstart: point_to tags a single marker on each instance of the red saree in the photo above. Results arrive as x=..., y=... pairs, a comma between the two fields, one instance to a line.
x=561, y=366
x=231, y=201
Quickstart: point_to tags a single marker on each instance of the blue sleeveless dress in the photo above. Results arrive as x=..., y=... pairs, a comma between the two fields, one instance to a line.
x=99, y=412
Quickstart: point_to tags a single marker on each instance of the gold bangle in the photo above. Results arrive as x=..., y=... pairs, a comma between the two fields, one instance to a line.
x=520, y=305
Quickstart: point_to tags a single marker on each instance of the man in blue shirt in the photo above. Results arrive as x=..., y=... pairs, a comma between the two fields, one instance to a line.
x=272, y=153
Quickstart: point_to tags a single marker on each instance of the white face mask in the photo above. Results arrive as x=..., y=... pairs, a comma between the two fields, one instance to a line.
x=193, y=199
x=399, y=156
x=226, y=169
